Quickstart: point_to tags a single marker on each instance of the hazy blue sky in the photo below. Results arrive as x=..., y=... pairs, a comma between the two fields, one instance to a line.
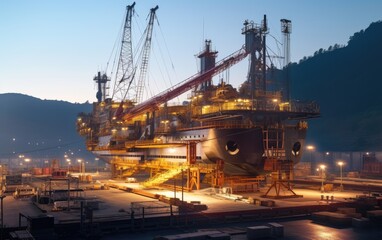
x=52, y=49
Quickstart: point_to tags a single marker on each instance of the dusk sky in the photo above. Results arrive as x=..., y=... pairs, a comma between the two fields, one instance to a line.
x=52, y=49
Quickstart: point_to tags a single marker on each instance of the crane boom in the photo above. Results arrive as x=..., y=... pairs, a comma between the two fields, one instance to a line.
x=145, y=56
x=185, y=85
x=125, y=63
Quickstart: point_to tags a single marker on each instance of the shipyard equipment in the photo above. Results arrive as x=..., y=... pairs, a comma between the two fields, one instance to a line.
x=220, y=131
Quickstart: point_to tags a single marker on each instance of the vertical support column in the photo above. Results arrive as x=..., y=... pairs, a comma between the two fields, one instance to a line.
x=50, y=190
x=219, y=173
x=182, y=186
x=193, y=174
x=69, y=194
x=114, y=170
x=82, y=220
x=191, y=153
x=2, y=196
x=193, y=178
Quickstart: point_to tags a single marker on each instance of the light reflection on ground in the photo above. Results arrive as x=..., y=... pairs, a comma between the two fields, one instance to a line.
x=308, y=230
x=293, y=230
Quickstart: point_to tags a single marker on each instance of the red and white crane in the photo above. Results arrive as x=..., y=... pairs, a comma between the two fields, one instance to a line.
x=184, y=86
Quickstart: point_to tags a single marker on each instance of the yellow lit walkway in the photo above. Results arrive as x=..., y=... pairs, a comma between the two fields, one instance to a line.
x=163, y=177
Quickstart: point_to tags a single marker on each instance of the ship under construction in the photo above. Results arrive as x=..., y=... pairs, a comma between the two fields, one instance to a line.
x=221, y=132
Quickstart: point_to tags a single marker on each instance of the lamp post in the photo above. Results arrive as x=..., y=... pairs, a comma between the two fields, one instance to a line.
x=322, y=167
x=27, y=161
x=311, y=148
x=21, y=157
x=80, y=165
x=341, y=163
x=96, y=159
x=2, y=196
x=326, y=157
x=1, y=178
x=65, y=157
x=69, y=161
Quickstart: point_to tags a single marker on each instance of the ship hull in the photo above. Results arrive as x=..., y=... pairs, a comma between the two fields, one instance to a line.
x=241, y=150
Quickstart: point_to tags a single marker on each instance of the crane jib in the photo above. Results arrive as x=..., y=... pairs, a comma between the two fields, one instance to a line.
x=185, y=85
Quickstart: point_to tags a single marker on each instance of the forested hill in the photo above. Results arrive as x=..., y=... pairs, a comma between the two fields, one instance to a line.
x=39, y=128
x=346, y=81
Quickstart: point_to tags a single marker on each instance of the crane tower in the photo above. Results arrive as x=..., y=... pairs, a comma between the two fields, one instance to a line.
x=255, y=40
x=286, y=29
x=145, y=56
x=124, y=74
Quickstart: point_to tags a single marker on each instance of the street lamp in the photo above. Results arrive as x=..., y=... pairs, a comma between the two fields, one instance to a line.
x=311, y=148
x=1, y=178
x=96, y=159
x=2, y=196
x=68, y=160
x=27, y=161
x=80, y=167
x=341, y=163
x=326, y=157
x=322, y=167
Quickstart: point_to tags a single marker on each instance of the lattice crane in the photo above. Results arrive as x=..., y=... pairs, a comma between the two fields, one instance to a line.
x=126, y=86
x=125, y=70
x=145, y=56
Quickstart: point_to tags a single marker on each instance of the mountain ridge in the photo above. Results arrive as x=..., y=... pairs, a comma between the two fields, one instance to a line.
x=343, y=80
x=345, y=83
x=32, y=125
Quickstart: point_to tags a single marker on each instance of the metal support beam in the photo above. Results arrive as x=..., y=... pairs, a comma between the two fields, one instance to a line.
x=193, y=178
x=284, y=171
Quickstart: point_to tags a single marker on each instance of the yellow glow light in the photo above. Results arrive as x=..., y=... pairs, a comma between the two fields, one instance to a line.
x=310, y=147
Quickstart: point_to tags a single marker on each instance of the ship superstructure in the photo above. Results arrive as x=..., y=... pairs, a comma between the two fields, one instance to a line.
x=241, y=131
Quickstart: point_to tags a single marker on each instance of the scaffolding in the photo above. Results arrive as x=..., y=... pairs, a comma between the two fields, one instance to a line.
x=161, y=171
x=278, y=163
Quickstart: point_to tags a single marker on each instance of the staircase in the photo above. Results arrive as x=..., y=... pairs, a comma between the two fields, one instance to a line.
x=162, y=177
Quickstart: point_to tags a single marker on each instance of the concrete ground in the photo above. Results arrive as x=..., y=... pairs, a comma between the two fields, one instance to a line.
x=116, y=203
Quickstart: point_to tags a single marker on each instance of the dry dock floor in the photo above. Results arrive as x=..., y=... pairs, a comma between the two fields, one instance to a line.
x=116, y=203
